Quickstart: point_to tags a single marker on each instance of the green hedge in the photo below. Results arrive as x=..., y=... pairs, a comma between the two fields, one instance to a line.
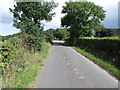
x=107, y=45
x=7, y=51
x=107, y=49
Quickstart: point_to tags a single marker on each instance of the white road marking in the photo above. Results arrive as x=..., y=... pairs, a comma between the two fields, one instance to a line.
x=81, y=77
x=75, y=69
x=64, y=57
x=77, y=72
x=64, y=61
x=67, y=63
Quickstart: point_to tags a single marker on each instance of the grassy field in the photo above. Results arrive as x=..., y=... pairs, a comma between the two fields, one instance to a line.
x=102, y=63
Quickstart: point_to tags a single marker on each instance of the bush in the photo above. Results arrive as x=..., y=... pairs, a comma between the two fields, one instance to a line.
x=49, y=36
x=107, y=45
x=114, y=31
x=7, y=53
x=103, y=33
x=107, y=49
x=3, y=38
x=19, y=66
x=61, y=34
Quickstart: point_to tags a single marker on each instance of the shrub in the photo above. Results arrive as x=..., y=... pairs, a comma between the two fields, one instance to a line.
x=61, y=34
x=107, y=45
x=108, y=49
x=35, y=42
x=7, y=53
x=49, y=36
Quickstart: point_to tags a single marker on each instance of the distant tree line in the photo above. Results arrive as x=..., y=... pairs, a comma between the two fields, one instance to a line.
x=57, y=34
x=3, y=38
x=108, y=32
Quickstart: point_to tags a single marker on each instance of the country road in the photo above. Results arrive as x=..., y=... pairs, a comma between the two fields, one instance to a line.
x=66, y=68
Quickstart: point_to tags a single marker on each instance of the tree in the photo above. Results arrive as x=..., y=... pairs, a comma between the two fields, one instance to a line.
x=33, y=12
x=82, y=18
x=52, y=31
x=61, y=34
x=28, y=17
x=50, y=35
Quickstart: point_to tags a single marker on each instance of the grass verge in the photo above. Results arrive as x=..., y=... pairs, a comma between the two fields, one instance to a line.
x=25, y=68
x=105, y=65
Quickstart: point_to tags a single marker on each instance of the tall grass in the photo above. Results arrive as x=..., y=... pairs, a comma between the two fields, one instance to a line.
x=24, y=68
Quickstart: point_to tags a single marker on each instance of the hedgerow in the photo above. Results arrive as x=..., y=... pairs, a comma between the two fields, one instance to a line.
x=18, y=60
x=107, y=49
x=107, y=45
x=7, y=53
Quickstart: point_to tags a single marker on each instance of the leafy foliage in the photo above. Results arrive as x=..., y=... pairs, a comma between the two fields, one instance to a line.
x=20, y=57
x=61, y=34
x=82, y=18
x=34, y=11
x=49, y=35
x=108, y=32
x=7, y=53
x=109, y=46
x=28, y=17
x=114, y=32
x=107, y=65
x=21, y=65
x=103, y=33
x=3, y=38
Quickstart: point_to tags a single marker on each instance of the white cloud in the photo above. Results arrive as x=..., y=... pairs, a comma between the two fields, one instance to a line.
x=7, y=29
x=56, y=21
x=109, y=5
x=6, y=18
x=104, y=2
x=4, y=9
x=6, y=4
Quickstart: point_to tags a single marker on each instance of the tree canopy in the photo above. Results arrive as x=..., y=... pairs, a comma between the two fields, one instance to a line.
x=82, y=18
x=33, y=12
x=28, y=17
x=61, y=34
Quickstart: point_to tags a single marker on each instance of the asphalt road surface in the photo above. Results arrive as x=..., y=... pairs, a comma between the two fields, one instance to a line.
x=66, y=68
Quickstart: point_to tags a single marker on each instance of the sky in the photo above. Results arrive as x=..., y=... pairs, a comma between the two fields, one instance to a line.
x=6, y=19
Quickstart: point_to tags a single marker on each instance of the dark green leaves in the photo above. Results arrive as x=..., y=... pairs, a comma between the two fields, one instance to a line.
x=28, y=17
x=82, y=18
x=35, y=11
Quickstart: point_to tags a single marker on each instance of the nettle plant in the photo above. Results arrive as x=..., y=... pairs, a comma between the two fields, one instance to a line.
x=7, y=53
